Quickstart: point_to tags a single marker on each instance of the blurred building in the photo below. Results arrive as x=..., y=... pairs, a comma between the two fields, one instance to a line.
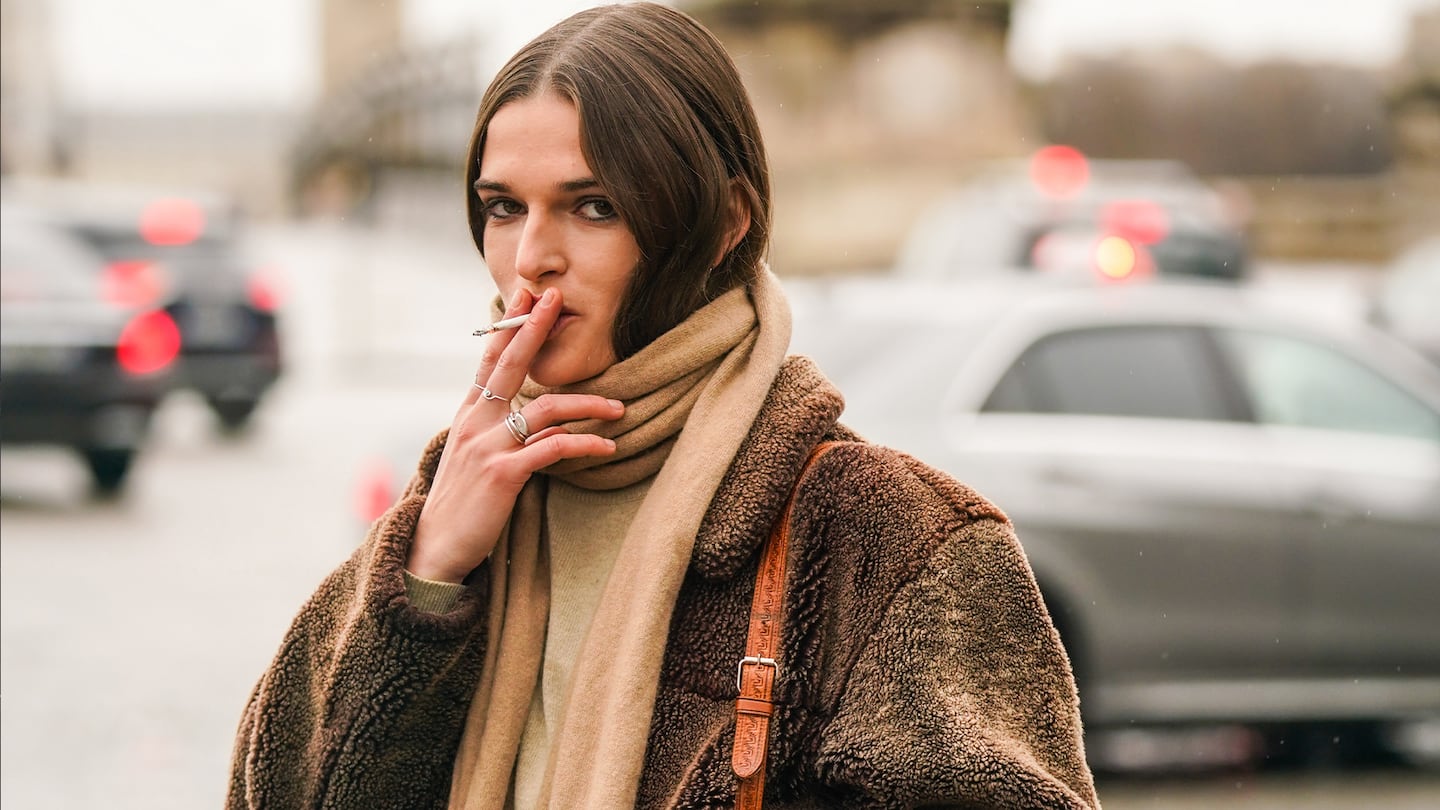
x=1415, y=113
x=1333, y=163
x=859, y=102
x=231, y=150
x=354, y=35
x=30, y=139
x=235, y=151
x=386, y=144
x=870, y=111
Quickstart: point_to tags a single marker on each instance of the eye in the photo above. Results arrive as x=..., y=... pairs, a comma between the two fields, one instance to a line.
x=500, y=208
x=597, y=209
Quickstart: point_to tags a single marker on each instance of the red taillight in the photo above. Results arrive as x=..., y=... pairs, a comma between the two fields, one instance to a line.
x=172, y=221
x=1142, y=221
x=376, y=491
x=148, y=343
x=1059, y=172
x=263, y=290
x=132, y=284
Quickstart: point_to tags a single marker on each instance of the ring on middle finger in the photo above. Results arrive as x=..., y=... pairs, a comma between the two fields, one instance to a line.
x=518, y=427
x=486, y=393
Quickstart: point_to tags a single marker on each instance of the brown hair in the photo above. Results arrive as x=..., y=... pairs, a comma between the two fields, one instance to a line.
x=668, y=130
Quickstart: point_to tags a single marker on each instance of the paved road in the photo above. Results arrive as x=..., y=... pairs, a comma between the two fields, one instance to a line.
x=132, y=631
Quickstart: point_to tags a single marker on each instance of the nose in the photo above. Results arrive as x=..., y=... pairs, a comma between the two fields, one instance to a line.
x=541, y=250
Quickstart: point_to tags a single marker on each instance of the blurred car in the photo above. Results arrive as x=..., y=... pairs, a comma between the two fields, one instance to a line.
x=1232, y=509
x=1407, y=302
x=77, y=369
x=182, y=252
x=1063, y=214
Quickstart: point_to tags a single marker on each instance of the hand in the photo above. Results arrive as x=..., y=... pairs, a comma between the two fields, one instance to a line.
x=483, y=466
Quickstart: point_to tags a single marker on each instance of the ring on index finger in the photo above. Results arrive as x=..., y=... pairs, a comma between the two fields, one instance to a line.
x=486, y=392
x=518, y=427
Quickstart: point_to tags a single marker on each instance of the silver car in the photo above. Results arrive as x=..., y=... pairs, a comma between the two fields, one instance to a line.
x=1233, y=509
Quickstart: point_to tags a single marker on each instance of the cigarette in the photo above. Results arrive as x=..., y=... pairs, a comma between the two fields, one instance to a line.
x=508, y=323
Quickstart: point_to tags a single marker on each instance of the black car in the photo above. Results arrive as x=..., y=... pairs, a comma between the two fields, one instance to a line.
x=80, y=366
x=184, y=253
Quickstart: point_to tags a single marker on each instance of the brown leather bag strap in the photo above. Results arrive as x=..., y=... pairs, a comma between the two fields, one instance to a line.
x=755, y=677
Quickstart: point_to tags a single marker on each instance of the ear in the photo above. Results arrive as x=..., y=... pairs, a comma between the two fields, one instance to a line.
x=738, y=221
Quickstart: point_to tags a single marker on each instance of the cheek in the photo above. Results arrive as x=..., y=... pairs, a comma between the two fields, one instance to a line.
x=500, y=262
x=625, y=260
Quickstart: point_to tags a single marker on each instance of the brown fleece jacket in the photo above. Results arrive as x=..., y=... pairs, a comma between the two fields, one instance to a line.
x=918, y=664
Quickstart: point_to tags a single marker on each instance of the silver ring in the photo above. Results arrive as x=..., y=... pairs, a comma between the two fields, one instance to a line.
x=518, y=427
x=486, y=392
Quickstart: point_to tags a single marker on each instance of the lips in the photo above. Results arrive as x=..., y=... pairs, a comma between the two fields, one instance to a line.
x=566, y=317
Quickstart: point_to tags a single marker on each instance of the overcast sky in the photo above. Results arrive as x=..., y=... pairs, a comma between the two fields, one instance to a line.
x=180, y=53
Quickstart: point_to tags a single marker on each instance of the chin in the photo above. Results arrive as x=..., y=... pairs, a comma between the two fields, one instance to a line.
x=554, y=372
x=550, y=379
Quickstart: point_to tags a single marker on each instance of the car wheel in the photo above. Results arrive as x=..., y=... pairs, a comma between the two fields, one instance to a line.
x=108, y=469
x=234, y=414
x=1327, y=746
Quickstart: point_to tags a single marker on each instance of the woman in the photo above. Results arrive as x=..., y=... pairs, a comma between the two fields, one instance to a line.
x=552, y=614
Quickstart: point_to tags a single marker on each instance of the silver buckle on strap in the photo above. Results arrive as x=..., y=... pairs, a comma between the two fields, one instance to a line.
x=761, y=662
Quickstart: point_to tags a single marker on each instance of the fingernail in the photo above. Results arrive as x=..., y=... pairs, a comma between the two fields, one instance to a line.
x=548, y=297
x=610, y=443
x=615, y=403
x=517, y=298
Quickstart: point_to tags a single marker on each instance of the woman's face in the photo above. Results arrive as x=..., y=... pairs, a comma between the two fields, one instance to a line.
x=549, y=224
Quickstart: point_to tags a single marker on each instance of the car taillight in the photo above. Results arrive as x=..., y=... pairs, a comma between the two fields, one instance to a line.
x=1118, y=259
x=1059, y=172
x=148, y=343
x=375, y=491
x=1144, y=222
x=263, y=290
x=172, y=221
x=132, y=284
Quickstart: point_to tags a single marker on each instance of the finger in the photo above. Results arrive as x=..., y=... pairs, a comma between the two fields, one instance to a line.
x=547, y=432
x=542, y=451
x=513, y=363
x=495, y=342
x=555, y=409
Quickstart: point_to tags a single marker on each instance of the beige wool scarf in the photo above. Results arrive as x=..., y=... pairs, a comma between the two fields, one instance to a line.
x=691, y=397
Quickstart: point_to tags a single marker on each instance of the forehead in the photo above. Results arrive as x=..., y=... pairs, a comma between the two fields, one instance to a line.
x=536, y=136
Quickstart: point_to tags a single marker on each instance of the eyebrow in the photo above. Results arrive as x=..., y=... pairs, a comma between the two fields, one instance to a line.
x=567, y=186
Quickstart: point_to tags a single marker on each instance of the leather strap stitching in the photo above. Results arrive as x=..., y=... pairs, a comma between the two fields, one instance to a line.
x=759, y=669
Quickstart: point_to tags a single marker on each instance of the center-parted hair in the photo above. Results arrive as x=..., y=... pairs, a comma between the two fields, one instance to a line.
x=668, y=130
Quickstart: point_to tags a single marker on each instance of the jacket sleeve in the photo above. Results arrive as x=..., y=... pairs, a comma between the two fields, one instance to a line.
x=962, y=696
x=364, y=703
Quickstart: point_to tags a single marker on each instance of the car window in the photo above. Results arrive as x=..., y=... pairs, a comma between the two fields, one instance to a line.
x=122, y=244
x=1297, y=382
x=38, y=265
x=1162, y=372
